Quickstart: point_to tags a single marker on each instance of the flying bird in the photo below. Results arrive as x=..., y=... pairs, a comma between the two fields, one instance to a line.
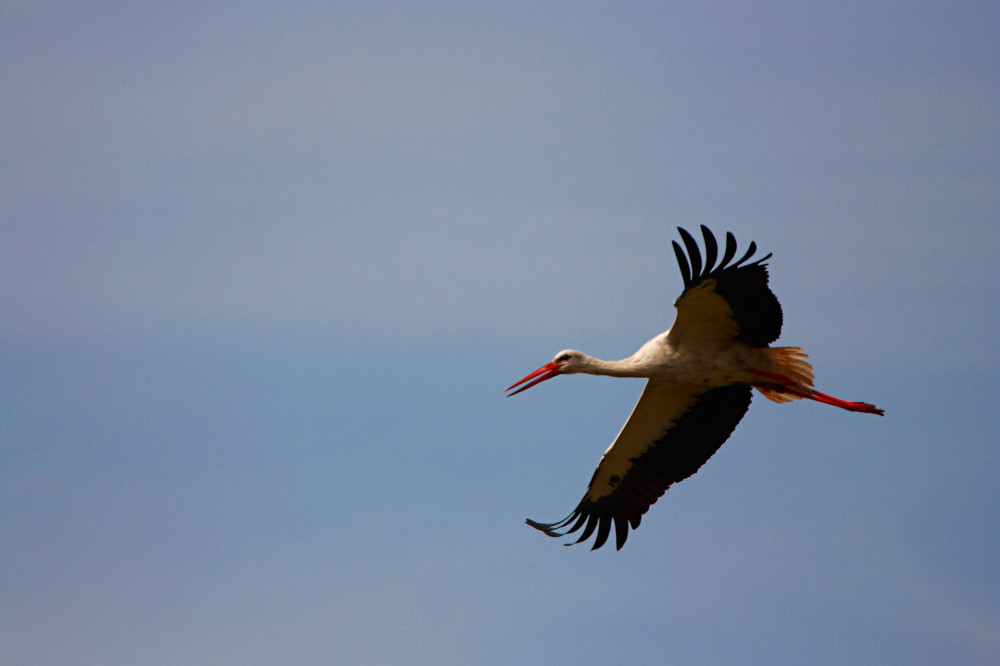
x=700, y=375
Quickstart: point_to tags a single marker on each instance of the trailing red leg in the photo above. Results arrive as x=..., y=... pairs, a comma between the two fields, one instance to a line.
x=780, y=384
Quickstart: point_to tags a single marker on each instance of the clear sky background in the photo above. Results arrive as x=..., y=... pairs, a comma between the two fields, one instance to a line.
x=266, y=269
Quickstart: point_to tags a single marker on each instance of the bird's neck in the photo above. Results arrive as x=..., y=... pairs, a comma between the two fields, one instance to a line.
x=626, y=367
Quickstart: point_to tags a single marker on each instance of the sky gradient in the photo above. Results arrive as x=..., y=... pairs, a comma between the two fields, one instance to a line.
x=265, y=271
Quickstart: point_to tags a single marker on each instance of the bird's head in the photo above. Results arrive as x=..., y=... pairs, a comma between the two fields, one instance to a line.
x=565, y=362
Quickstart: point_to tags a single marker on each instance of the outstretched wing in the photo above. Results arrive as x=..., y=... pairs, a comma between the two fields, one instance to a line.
x=668, y=437
x=725, y=301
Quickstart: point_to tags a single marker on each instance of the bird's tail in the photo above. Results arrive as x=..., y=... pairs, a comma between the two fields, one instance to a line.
x=791, y=364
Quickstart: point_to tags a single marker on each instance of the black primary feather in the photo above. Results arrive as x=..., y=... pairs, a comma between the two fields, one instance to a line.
x=682, y=262
x=711, y=249
x=694, y=255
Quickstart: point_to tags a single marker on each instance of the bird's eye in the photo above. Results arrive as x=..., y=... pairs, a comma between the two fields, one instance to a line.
x=563, y=357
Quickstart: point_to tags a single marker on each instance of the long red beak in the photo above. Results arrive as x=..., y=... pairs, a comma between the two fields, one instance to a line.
x=547, y=371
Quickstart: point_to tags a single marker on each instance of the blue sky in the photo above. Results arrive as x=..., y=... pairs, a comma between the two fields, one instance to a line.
x=266, y=270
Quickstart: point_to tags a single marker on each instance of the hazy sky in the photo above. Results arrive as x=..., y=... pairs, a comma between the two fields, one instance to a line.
x=267, y=268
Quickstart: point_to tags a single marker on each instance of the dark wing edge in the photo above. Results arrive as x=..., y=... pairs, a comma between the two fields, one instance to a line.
x=675, y=456
x=743, y=285
x=696, y=272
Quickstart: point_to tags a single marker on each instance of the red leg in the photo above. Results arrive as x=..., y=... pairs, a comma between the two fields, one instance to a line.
x=786, y=385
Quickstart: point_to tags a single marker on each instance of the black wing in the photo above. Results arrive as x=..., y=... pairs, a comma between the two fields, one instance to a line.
x=756, y=312
x=668, y=437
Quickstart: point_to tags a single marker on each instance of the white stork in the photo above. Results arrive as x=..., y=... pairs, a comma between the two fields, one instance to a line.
x=700, y=373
